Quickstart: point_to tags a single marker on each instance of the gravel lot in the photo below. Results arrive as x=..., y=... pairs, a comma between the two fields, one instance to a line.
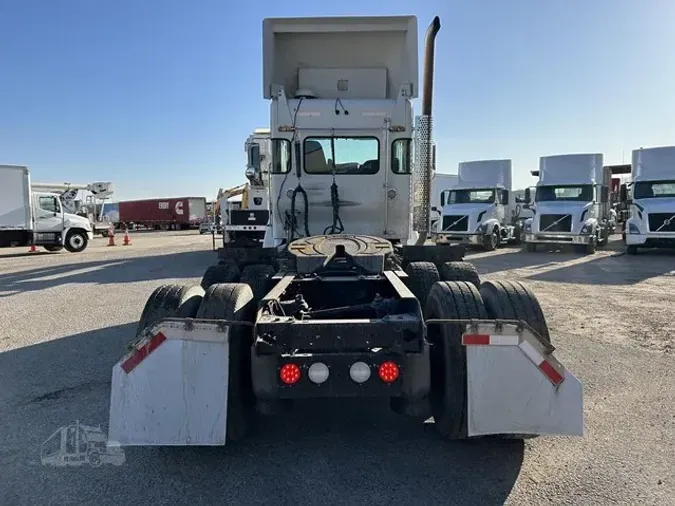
x=66, y=319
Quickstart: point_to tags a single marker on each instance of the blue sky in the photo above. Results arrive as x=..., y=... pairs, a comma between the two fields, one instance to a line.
x=159, y=95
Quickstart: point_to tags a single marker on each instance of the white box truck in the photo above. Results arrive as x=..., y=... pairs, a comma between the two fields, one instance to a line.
x=37, y=218
x=481, y=209
x=571, y=203
x=652, y=200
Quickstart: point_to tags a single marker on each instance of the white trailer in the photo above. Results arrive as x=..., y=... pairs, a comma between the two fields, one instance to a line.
x=481, y=209
x=571, y=203
x=439, y=184
x=37, y=218
x=348, y=297
x=652, y=199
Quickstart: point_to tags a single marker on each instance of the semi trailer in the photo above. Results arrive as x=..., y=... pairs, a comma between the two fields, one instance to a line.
x=571, y=203
x=346, y=298
x=652, y=199
x=162, y=214
x=37, y=218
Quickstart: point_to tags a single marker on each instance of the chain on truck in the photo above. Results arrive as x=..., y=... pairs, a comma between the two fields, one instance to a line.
x=346, y=298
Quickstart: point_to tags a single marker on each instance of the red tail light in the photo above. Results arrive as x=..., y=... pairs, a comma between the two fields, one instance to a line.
x=388, y=372
x=289, y=374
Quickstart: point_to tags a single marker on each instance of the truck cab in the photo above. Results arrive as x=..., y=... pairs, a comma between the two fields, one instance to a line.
x=54, y=228
x=571, y=203
x=480, y=209
x=341, y=134
x=652, y=199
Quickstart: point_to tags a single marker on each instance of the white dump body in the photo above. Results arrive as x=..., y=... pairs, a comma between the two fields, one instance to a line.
x=485, y=174
x=570, y=169
x=345, y=57
x=652, y=164
x=15, y=200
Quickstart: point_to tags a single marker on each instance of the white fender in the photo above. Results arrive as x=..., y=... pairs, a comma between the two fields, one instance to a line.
x=171, y=389
x=516, y=386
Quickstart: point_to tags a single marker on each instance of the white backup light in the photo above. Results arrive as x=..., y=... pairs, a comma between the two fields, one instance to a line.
x=359, y=372
x=318, y=373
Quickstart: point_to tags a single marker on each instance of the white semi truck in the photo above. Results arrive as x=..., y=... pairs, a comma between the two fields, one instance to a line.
x=346, y=295
x=571, y=203
x=439, y=184
x=652, y=199
x=481, y=209
x=36, y=218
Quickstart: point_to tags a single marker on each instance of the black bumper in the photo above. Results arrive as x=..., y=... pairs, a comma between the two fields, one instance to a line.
x=412, y=384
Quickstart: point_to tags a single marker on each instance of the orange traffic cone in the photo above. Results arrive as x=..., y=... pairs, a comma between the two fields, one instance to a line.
x=111, y=236
x=32, y=249
x=127, y=239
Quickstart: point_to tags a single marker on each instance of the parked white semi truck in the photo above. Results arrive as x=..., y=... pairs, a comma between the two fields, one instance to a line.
x=481, y=209
x=37, y=218
x=652, y=199
x=347, y=301
x=439, y=184
x=571, y=203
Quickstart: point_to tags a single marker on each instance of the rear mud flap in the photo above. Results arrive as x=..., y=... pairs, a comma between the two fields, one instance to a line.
x=516, y=386
x=172, y=388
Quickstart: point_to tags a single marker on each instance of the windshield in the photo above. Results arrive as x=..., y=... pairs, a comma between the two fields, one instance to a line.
x=567, y=193
x=654, y=189
x=353, y=155
x=477, y=196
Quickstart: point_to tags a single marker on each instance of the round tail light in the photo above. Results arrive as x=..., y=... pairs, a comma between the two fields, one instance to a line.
x=388, y=372
x=289, y=374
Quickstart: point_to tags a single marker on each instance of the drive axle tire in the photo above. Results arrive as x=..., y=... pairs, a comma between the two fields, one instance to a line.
x=460, y=271
x=224, y=272
x=448, y=396
x=530, y=247
x=259, y=278
x=234, y=302
x=170, y=301
x=421, y=277
x=512, y=300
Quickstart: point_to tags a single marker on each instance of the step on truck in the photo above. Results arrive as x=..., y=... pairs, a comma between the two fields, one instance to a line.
x=571, y=203
x=37, y=218
x=351, y=301
x=652, y=200
x=481, y=209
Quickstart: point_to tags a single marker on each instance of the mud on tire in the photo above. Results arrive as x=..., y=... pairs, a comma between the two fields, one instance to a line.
x=234, y=302
x=460, y=271
x=448, y=397
x=170, y=301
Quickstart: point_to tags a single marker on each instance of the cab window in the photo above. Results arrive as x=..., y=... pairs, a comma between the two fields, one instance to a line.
x=50, y=204
x=281, y=156
x=400, y=156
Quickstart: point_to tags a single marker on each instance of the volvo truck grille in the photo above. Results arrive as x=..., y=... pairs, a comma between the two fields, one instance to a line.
x=564, y=223
x=456, y=223
x=663, y=221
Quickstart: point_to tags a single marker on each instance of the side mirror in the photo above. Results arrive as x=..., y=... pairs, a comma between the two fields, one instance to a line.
x=443, y=199
x=528, y=195
x=623, y=193
x=434, y=209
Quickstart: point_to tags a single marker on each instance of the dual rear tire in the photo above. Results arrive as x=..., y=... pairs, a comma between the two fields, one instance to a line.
x=460, y=300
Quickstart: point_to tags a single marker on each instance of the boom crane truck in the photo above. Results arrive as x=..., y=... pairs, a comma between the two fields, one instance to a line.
x=349, y=300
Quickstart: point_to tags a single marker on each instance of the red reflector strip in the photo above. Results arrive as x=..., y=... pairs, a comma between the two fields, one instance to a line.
x=554, y=376
x=475, y=339
x=489, y=340
x=140, y=354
